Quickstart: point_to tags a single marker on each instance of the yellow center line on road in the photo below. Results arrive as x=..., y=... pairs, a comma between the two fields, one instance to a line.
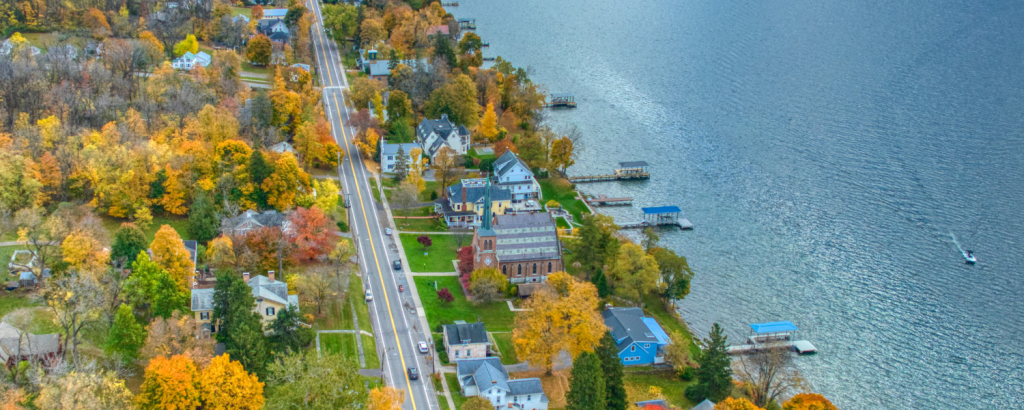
x=366, y=220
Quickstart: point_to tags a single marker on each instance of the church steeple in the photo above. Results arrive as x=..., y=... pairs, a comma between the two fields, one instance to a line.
x=485, y=227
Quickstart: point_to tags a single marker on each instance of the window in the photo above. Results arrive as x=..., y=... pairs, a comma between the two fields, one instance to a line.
x=549, y=267
x=520, y=273
x=528, y=397
x=469, y=353
x=632, y=348
x=456, y=353
x=270, y=311
x=646, y=345
x=535, y=268
x=204, y=315
x=504, y=271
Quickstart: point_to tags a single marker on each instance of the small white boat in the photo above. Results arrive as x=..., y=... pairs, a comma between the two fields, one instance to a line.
x=969, y=257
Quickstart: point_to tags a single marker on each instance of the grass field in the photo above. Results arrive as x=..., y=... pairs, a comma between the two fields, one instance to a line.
x=341, y=343
x=671, y=386
x=431, y=186
x=245, y=11
x=566, y=197
x=179, y=223
x=438, y=256
x=41, y=320
x=503, y=340
x=420, y=225
x=453, y=385
x=495, y=314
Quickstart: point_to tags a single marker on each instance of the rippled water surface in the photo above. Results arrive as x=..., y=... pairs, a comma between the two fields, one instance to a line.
x=828, y=152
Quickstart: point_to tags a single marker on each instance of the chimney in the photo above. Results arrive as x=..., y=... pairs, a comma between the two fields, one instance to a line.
x=465, y=201
x=245, y=277
x=494, y=382
x=270, y=275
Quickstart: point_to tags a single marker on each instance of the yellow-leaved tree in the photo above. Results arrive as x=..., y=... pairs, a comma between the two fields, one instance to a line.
x=225, y=385
x=386, y=398
x=552, y=322
x=326, y=195
x=808, y=401
x=736, y=404
x=173, y=200
x=417, y=164
x=634, y=273
x=287, y=181
x=171, y=384
x=561, y=153
x=169, y=253
x=84, y=252
x=220, y=252
x=488, y=127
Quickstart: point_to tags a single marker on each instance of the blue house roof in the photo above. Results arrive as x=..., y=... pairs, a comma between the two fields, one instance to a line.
x=661, y=210
x=655, y=328
x=773, y=327
x=628, y=326
x=272, y=13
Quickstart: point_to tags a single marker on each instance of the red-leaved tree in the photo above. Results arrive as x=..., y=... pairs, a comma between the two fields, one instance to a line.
x=465, y=260
x=425, y=241
x=445, y=296
x=312, y=234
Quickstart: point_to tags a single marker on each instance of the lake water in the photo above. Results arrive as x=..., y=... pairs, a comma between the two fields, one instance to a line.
x=828, y=153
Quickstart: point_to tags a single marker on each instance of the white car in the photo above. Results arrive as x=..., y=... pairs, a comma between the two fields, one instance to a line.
x=369, y=296
x=423, y=347
x=387, y=231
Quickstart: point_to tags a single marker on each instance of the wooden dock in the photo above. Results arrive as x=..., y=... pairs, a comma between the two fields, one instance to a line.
x=467, y=24
x=660, y=216
x=626, y=171
x=450, y=4
x=560, y=100
x=602, y=200
x=682, y=223
x=799, y=346
x=771, y=336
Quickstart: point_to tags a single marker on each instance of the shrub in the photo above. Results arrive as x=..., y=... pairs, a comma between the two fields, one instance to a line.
x=445, y=296
x=342, y=226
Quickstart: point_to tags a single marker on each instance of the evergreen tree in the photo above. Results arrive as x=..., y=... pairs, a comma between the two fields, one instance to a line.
x=259, y=170
x=262, y=111
x=444, y=50
x=156, y=188
x=126, y=335
x=203, y=222
x=586, y=389
x=241, y=329
x=714, y=374
x=611, y=367
x=129, y=240
x=287, y=333
x=601, y=283
x=401, y=165
x=228, y=292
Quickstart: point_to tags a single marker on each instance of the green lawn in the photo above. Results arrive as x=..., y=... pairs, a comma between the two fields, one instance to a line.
x=437, y=258
x=42, y=40
x=245, y=11
x=566, y=197
x=654, y=307
x=6, y=252
x=179, y=223
x=343, y=343
x=420, y=225
x=264, y=70
x=373, y=187
x=436, y=379
x=453, y=385
x=474, y=154
x=495, y=314
x=562, y=223
x=431, y=186
x=370, y=351
x=504, y=345
x=671, y=386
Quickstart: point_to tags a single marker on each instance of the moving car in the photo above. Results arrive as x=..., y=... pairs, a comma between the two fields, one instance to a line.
x=423, y=347
x=413, y=373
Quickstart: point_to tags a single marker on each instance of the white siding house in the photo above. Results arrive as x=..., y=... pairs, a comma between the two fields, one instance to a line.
x=435, y=134
x=512, y=173
x=189, y=61
x=487, y=378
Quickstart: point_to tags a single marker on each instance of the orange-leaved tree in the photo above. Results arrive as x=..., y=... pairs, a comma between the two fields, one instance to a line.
x=386, y=398
x=808, y=401
x=736, y=404
x=169, y=253
x=553, y=321
x=311, y=233
x=170, y=383
x=226, y=385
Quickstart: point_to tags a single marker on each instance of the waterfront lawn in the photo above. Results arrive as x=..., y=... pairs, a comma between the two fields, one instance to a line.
x=503, y=342
x=496, y=315
x=669, y=321
x=566, y=197
x=438, y=258
x=671, y=386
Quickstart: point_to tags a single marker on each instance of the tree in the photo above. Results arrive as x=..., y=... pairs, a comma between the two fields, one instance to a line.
x=176, y=335
x=736, y=404
x=714, y=374
x=126, y=336
x=341, y=19
x=808, y=401
x=650, y=239
x=386, y=398
x=401, y=165
x=488, y=127
x=315, y=382
x=424, y=241
x=444, y=50
x=287, y=334
x=97, y=22
x=612, y=369
x=477, y=403
x=259, y=50
x=634, y=273
x=84, y=253
x=561, y=154
x=327, y=195
x=285, y=182
x=75, y=301
x=256, y=12
x=129, y=240
x=169, y=253
x=675, y=273
x=203, y=221
x=597, y=243
x=84, y=387
x=470, y=42
x=312, y=234
x=503, y=146
x=294, y=13
x=487, y=284
x=363, y=90
x=601, y=283
x=152, y=289
x=551, y=323
x=457, y=99
x=768, y=374
x=446, y=167
x=225, y=385
x=259, y=170
x=465, y=260
x=445, y=296
x=586, y=388
x=221, y=252
x=170, y=383
x=241, y=329
x=188, y=45
x=416, y=168
x=318, y=285
x=677, y=353
x=405, y=197
x=399, y=107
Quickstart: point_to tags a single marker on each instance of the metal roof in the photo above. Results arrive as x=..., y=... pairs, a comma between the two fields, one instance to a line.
x=773, y=327
x=271, y=13
x=661, y=210
x=633, y=164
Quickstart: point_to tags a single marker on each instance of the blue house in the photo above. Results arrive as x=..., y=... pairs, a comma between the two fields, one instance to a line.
x=640, y=340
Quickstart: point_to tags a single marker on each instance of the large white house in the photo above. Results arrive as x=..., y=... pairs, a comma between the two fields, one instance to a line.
x=512, y=173
x=389, y=155
x=435, y=134
x=486, y=377
x=188, y=60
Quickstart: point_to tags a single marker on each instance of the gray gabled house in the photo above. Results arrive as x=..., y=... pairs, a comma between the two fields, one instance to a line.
x=436, y=134
x=250, y=220
x=465, y=340
x=488, y=378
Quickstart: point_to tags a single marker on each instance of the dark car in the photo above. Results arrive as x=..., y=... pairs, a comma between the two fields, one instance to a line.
x=397, y=264
x=413, y=373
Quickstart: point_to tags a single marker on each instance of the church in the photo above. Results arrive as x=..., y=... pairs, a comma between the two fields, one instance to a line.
x=524, y=247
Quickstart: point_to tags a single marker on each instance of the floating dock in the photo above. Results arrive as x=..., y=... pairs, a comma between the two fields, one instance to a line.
x=561, y=100
x=450, y=4
x=467, y=24
x=770, y=336
x=602, y=200
x=660, y=216
x=626, y=171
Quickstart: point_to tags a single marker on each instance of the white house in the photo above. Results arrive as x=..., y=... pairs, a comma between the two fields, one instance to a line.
x=512, y=173
x=434, y=134
x=389, y=155
x=486, y=377
x=188, y=60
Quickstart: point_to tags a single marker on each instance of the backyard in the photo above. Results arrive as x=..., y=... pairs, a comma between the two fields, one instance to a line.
x=436, y=258
x=503, y=342
x=495, y=315
x=561, y=191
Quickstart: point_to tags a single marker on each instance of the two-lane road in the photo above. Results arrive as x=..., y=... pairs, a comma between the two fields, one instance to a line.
x=395, y=329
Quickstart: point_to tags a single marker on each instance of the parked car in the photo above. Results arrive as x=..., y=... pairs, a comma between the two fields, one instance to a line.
x=387, y=231
x=423, y=347
x=369, y=296
x=413, y=373
x=397, y=264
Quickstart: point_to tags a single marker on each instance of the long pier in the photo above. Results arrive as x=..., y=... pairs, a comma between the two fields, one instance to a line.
x=633, y=170
x=602, y=200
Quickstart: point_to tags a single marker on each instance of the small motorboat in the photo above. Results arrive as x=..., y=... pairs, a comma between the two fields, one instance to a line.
x=969, y=257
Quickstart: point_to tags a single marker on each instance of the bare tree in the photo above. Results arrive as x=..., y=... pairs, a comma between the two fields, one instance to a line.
x=76, y=301
x=318, y=285
x=767, y=374
x=405, y=197
x=446, y=167
x=461, y=236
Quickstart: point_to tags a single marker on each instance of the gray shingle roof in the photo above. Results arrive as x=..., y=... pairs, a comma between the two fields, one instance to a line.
x=465, y=333
x=476, y=194
x=265, y=219
x=627, y=326
x=527, y=386
x=30, y=345
x=506, y=161
x=262, y=288
x=490, y=375
x=705, y=405
x=392, y=149
x=526, y=237
x=381, y=67
x=442, y=127
x=202, y=299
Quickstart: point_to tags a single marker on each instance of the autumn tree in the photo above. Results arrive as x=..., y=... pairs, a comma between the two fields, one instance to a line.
x=170, y=383
x=75, y=301
x=221, y=252
x=488, y=127
x=258, y=50
x=129, y=240
x=487, y=284
x=362, y=91
x=188, y=45
x=83, y=387
x=284, y=184
x=714, y=374
x=561, y=154
x=552, y=322
x=445, y=296
x=153, y=290
x=417, y=164
x=176, y=335
x=457, y=99
x=612, y=370
x=317, y=382
x=327, y=195
x=97, y=22
x=318, y=285
x=225, y=385
x=170, y=254
x=633, y=273
x=126, y=336
x=84, y=253
x=768, y=374
x=446, y=166
x=808, y=401
x=312, y=233
x=424, y=241
x=477, y=403
x=731, y=403
x=675, y=273
x=465, y=256
x=386, y=398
